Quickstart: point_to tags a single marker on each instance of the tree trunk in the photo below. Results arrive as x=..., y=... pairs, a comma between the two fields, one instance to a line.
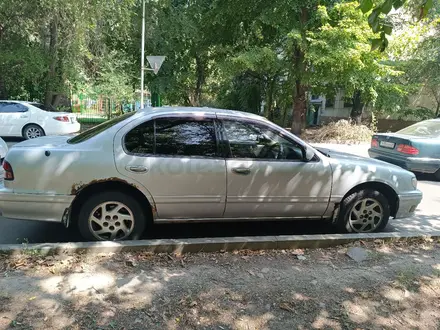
x=357, y=108
x=299, y=108
x=300, y=91
x=200, y=71
x=270, y=91
x=53, y=50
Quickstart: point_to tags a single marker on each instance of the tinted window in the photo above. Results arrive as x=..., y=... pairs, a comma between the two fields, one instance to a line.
x=424, y=128
x=10, y=107
x=98, y=129
x=185, y=137
x=140, y=140
x=258, y=141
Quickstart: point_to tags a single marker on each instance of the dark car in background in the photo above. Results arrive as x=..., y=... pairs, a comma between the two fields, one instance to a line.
x=415, y=148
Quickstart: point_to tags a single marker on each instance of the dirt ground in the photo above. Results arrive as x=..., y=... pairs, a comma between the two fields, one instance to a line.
x=396, y=287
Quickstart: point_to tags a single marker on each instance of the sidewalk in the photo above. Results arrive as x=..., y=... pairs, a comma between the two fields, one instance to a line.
x=396, y=287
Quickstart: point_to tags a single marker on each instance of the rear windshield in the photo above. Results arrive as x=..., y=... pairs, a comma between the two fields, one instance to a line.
x=424, y=128
x=98, y=129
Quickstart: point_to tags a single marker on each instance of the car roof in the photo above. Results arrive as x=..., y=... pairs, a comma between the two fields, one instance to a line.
x=193, y=110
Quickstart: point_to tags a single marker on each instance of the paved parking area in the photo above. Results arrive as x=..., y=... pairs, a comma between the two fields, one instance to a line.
x=426, y=219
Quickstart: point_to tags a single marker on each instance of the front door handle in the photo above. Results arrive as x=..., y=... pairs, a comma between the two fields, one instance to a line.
x=241, y=170
x=137, y=169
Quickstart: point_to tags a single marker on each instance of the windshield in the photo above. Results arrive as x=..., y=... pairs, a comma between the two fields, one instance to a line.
x=98, y=129
x=424, y=128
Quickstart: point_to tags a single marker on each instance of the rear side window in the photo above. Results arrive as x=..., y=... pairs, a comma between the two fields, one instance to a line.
x=182, y=137
x=11, y=107
x=173, y=137
x=140, y=140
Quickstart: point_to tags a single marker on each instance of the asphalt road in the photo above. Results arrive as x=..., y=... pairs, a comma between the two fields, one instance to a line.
x=427, y=219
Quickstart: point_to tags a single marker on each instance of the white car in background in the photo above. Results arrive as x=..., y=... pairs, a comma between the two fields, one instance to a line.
x=23, y=119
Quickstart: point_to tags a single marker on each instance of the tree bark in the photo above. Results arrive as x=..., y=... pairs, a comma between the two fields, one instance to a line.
x=299, y=108
x=300, y=91
x=200, y=71
x=270, y=91
x=357, y=108
x=53, y=52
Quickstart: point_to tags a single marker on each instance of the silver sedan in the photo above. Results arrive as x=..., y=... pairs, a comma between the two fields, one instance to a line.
x=196, y=164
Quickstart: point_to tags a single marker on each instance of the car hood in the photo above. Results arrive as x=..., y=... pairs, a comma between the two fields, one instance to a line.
x=354, y=159
x=44, y=142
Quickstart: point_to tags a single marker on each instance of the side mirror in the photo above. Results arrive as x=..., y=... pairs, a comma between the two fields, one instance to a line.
x=308, y=154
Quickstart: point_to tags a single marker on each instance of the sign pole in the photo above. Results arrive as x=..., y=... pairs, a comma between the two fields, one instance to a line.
x=142, y=54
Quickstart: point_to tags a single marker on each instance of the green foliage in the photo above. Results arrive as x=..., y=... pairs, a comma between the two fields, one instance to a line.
x=381, y=24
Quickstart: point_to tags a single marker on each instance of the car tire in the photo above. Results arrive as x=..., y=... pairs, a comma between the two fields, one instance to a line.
x=364, y=207
x=111, y=212
x=32, y=132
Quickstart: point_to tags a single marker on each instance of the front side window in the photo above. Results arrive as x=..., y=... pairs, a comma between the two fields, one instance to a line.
x=173, y=137
x=258, y=141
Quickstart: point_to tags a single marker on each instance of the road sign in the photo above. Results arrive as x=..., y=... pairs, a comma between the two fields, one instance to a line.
x=155, y=62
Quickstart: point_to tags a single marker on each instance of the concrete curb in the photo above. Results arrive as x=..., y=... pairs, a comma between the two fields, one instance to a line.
x=194, y=245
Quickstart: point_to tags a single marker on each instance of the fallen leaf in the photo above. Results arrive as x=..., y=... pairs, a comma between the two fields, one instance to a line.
x=287, y=307
x=32, y=298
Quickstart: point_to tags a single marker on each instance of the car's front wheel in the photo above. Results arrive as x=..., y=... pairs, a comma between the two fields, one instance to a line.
x=111, y=216
x=364, y=211
x=32, y=132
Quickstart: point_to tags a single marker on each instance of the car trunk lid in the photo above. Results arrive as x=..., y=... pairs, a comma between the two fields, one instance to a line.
x=401, y=144
x=45, y=142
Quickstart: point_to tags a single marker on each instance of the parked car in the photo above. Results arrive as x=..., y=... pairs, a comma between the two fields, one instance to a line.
x=196, y=164
x=415, y=148
x=3, y=149
x=19, y=118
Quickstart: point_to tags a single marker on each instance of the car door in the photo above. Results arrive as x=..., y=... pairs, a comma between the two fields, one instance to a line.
x=267, y=176
x=177, y=160
x=14, y=117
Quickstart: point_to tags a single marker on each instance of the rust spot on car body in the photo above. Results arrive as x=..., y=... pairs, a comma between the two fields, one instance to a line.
x=77, y=187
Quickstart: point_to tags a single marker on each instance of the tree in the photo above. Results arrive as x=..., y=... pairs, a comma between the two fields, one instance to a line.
x=342, y=59
x=380, y=22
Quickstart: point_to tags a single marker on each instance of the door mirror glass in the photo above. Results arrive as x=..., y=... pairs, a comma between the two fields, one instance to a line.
x=308, y=154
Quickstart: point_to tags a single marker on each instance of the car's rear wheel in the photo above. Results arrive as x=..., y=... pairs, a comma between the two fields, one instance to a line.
x=32, y=132
x=364, y=211
x=111, y=216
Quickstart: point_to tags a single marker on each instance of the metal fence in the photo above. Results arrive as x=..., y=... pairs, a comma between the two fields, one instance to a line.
x=91, y=112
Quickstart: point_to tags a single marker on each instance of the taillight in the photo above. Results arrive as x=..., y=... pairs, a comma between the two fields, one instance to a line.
x=64, y=119
x=9, y=174
x=374, y=143
x=406, y=149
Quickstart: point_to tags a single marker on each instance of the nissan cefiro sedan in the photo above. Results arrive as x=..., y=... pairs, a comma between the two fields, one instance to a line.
x=178, y=164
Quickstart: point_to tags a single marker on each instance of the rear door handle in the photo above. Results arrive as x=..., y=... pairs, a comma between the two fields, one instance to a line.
x=241, y=170
x=137, y=169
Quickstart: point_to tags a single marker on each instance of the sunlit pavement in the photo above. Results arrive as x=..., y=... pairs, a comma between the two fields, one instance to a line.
x=427, y=219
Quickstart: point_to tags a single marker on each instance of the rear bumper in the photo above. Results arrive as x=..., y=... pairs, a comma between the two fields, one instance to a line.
x=413, y=164
x=63, y=129
x=33, y=206
x=408, y=204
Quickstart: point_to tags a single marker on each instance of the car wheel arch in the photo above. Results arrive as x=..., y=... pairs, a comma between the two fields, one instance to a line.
x=31, y=124
x=381, y=187
x=85, y=192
